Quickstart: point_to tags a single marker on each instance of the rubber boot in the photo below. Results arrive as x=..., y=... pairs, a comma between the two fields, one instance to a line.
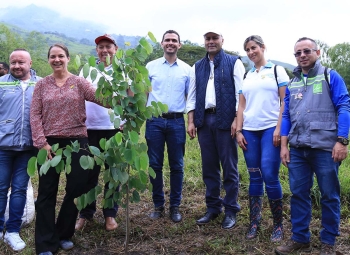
x=255, y=216
x=276, y=209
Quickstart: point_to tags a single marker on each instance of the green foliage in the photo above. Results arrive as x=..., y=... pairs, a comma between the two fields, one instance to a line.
x=337, y=58
x=189, y=52
x=126, y=156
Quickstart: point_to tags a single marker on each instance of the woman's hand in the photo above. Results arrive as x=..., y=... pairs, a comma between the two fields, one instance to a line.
x=47, y=147
x=241, y=140
x=276, y=137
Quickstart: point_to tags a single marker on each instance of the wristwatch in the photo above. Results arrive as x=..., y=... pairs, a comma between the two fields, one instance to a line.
x=343, y=140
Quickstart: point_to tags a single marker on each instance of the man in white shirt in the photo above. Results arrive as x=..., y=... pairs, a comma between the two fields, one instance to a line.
x=99, y=126
x=211, y=105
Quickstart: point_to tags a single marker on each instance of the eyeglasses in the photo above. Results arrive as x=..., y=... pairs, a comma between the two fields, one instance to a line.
x=306, y=52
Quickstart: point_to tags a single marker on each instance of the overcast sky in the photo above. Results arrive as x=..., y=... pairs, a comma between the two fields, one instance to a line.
x=279, y=22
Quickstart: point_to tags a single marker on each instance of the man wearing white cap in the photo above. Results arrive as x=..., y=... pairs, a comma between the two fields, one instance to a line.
x=99, y=126
x=211, y=106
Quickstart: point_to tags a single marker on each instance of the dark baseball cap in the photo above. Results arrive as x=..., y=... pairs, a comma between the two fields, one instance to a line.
x=106, y=37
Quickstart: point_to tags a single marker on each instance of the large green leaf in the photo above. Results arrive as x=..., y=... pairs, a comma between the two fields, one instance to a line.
x=118, y=138
x=54, y=162
x=143, y=70
x=92, y=61
x=152, y=37
x=163, y=107
x=32, y=166
x=134, y=137
x=128, y=156
x=116, y=123
x=95, y=151
x=86, y=70
x=118, y=110
x=60, y=167
x=68, y=168
x=144, y=161
x=119, y=54
x=44, y=168
x=54, y=147
x=122, y=176
x=86, y=162
x=146, y=45
x=151, y=172
x=136, y=196
x=93, y=75
x=143, y=176
x=103, y=143
x=128, y=61
x=77, y=61
x=42, y=155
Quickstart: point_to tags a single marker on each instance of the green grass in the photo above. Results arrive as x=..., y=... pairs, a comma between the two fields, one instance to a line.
x=165, y=237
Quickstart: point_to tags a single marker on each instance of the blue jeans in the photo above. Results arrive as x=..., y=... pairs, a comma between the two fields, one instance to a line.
x=263, y=163
x=218, y=147
x=13, y=167
x=172, y=132
x=304, y=163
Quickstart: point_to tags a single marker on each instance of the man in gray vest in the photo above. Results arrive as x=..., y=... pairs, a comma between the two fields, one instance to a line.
x=211, y=105
x=315, y=123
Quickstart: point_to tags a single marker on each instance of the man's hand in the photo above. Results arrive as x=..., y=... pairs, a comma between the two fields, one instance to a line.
x=285, y=156
x=339, y=152
x=233, y=128
x=191, y=129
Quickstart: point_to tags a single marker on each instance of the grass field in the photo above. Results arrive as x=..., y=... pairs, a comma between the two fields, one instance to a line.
x=165, y=237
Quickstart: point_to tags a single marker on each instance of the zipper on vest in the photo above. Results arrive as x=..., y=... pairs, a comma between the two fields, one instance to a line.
x=22, y=124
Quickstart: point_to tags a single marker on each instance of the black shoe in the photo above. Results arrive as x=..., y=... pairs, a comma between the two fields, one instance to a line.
x=157, y=213
x=175, y=215
x=207, y=218
x=229, y=221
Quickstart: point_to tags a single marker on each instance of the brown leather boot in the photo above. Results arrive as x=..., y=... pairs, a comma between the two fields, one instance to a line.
x=79, y=225
x=110, y=223
x=292, y=246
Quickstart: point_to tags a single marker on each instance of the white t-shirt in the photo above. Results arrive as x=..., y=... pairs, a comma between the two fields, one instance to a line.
x=260, y=91
x=97, y=117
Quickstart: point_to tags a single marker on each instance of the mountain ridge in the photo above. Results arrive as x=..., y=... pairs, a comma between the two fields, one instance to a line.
x=84, y=32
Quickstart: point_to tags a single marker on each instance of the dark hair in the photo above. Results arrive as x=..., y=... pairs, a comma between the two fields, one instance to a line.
x=171, y=32
x=59, y=45
x=254, y=38
x=5, y=65
x=307, y=38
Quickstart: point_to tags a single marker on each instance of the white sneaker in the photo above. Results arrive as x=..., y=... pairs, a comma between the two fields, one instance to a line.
x=14, y=241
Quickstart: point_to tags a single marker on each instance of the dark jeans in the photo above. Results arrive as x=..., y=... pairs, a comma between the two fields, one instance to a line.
x=217, y=146
x=263, y=163
x=304, y=163
x=47, y=232
x=172, y=132
x=13, y=173
x=94, y=140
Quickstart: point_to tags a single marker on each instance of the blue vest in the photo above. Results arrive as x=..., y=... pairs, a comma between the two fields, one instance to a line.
x=225, y=91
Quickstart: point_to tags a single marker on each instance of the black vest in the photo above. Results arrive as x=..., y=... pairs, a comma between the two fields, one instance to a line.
x=225, y=91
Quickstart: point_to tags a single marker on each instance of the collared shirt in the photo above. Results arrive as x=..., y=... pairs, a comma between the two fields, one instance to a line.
x=170, y=83
x=210, y=97
x=261, y=94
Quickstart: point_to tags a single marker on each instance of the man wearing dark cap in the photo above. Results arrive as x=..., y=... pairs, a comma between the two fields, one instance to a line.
x=211, y=105
x=99, y=126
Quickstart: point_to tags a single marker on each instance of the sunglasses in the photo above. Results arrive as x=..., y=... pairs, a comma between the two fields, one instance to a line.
x=306, y=52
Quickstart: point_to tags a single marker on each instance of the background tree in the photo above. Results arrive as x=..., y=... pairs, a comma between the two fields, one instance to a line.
x=339, y=59
x=8, y=42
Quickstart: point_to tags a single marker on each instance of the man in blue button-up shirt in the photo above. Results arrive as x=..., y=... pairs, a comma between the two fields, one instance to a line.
x=170, y=78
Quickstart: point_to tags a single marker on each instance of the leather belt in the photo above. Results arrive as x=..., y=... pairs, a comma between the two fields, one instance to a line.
x=172, y=115
x=210, y=110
